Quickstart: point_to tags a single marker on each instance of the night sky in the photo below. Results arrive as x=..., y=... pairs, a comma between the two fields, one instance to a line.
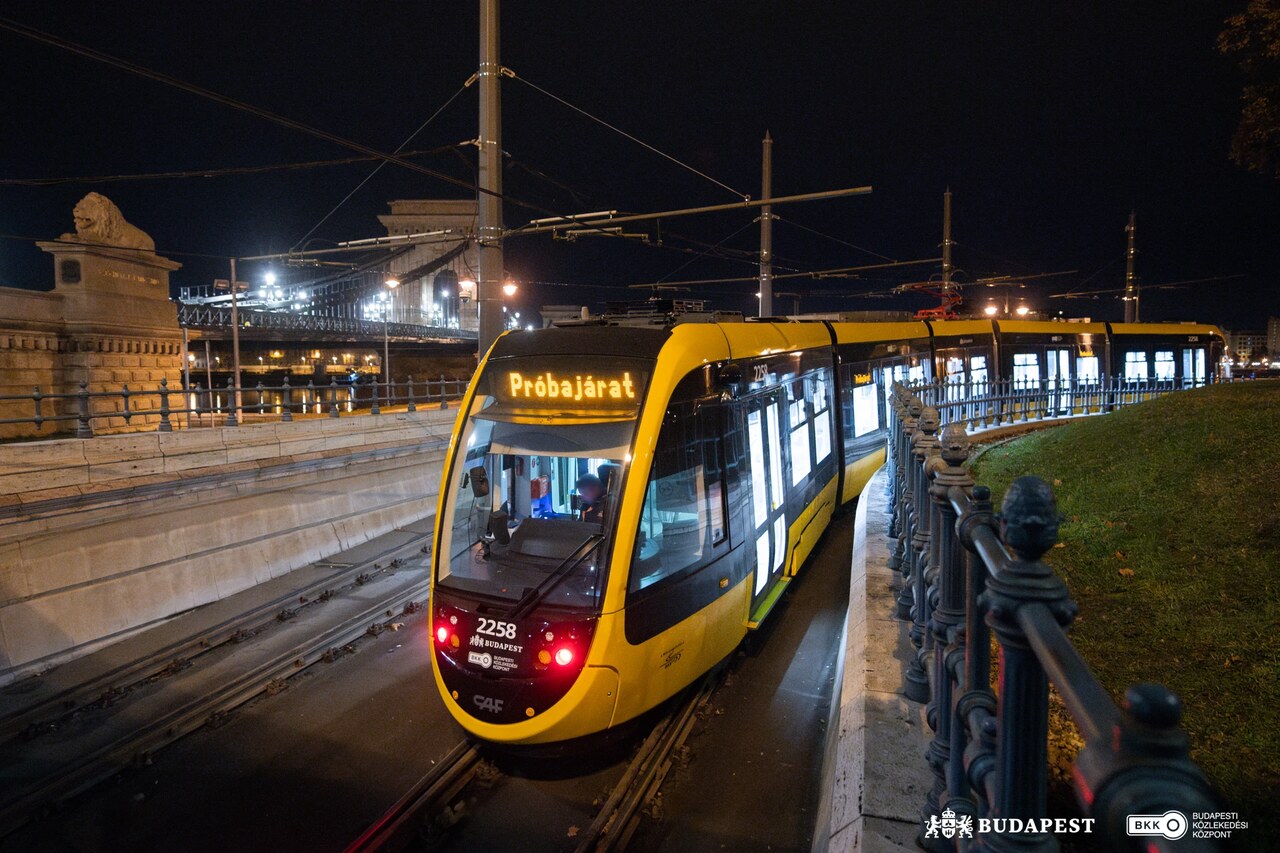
x=1049, y=122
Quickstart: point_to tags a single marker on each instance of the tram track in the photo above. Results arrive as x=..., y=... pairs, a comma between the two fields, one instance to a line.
x=28, y=720
x=450, y=792
x=140, y=732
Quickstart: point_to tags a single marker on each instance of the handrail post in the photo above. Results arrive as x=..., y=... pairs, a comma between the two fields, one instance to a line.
x=286, y=410
x=231, y=410
x=898, y=558
x=36, y=396
x=412, y=406
x=165, y=425
x=83, y=429
x=333, y=396
x=1144, y=767
x=923, y=444
x=373, y=409
x=948, y=618
x=891, y=455
x=1028, y=527
x=444, y=400
x=197, y=406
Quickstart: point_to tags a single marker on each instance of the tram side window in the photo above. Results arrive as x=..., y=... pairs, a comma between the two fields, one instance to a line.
x=891, y=375
x=866, y=410
x=978, y=373
x=683, y=515
x=1135, y=366
x=821, y=417
x=1193, y=362
x=1087, y=370
x=1026, y=370
x=1164, y=366
x=798, y=421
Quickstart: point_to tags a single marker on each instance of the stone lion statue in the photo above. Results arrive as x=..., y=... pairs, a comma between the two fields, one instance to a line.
x=98, y=220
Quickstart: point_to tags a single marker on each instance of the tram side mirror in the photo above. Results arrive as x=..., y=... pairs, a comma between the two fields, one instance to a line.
x=479, y=482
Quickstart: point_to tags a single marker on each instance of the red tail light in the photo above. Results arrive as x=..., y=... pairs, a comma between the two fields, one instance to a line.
x=442, y=635
x=564, y=656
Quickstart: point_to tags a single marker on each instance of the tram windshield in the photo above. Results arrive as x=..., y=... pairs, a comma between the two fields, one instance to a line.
x=532, y=504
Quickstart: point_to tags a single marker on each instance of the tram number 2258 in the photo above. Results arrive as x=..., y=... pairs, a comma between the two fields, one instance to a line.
x=494, y=628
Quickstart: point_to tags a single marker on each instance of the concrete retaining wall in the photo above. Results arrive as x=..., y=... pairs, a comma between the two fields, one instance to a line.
x=103, y=537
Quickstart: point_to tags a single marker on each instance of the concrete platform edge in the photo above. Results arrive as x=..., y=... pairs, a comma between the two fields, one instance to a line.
x=878, y=775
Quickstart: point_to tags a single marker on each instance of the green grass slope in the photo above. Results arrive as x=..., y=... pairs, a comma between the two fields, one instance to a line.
x=1171, y=546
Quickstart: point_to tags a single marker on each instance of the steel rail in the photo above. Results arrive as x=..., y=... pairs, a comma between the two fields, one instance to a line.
x=102, y=763
x=617, y=818
x=397, y=828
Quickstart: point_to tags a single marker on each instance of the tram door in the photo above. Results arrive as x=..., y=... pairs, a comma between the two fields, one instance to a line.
x=768, y=499
x=1193, y=367
x=1058, y=367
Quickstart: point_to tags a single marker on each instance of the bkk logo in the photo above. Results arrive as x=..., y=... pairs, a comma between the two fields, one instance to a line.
x=1172, y=824
x=951, y=825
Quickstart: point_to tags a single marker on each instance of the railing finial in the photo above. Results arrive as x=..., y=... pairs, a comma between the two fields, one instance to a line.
x=1029, y=518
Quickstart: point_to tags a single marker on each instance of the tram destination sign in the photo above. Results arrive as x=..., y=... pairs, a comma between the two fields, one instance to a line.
x=563, y=384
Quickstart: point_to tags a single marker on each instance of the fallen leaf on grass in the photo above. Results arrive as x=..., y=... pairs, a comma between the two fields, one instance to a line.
x=1119, y=555
x=1057, y=482
x=1060, y=544
x=573, y=830
x=1128, y=573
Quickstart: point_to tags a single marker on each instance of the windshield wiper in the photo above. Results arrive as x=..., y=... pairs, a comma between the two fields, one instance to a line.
x=531, y=597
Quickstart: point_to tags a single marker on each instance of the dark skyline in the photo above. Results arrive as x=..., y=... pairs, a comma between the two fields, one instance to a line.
x=1049, y=125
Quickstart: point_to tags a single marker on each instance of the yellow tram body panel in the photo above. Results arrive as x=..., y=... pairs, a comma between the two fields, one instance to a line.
x=852, y=333
x=946, y=328
x=1164, y=329
x=858, y=472
x=807, y=529
x=1048, y=327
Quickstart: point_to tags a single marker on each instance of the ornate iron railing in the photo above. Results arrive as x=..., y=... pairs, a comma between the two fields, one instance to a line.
x=967, y=571
x=195, y=406
x=983, y=404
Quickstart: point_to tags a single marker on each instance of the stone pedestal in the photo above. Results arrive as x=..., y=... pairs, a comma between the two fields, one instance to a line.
x=120, y=329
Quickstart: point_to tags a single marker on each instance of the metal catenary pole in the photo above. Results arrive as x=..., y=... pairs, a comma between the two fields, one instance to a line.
x=235, y=340
x=1130, y=276
x=766, y=227
x=489, y=200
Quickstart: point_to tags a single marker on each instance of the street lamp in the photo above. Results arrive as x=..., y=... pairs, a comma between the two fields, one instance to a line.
x=392, y=283
x=990, y=310
x=1022, y=311
x=509, y=289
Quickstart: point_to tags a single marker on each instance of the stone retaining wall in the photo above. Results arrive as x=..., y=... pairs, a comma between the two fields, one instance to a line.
x=100, y=538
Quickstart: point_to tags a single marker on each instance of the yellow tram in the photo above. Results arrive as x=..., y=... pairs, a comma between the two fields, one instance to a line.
x=622, y=504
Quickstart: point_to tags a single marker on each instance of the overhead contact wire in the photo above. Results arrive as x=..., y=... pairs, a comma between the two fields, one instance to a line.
x=640, y=142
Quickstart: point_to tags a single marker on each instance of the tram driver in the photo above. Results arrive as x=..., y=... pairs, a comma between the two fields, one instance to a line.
x=590, y=498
